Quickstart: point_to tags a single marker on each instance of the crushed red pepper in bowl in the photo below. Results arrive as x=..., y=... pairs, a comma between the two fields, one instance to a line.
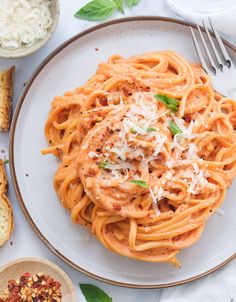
x=32, y=288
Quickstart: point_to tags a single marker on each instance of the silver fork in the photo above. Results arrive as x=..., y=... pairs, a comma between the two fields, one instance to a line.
x=218, y=66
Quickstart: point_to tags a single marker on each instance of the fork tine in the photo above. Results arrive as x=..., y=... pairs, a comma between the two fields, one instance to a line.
x=207, y=50
x=217, y=56
x=221, y=45
x=198, y=50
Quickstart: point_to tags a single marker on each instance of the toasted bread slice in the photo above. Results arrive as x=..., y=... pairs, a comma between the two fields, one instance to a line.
x=3, y=179
x=6, y=219
x=6, y=212
x=6, y=94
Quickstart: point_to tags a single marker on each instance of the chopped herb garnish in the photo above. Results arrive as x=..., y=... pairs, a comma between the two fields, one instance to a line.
x=140, y=183
x=132, y=130
x=174, y=129
x=170, y=103
x=6, y=161
x=150, y=129
x=104, y=165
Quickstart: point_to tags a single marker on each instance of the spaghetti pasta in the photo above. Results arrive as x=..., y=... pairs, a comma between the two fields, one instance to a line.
x=147, y=151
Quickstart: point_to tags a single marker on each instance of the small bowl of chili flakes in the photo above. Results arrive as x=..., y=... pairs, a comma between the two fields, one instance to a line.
x=35, y=280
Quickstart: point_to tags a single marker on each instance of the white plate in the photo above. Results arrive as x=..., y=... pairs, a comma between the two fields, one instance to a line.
x=66, y=68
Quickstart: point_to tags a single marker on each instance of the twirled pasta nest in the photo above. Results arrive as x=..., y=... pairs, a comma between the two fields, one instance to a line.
x=147, y=151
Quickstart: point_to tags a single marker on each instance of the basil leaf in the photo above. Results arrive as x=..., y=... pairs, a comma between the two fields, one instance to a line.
x=174, y=129
x=150, y=129
x=6, y=161
x=93, y=293
x=131, y=3
x=170, y=103
x=96, y=10
x=140, y=183
x=119, y=5
x=104, y=165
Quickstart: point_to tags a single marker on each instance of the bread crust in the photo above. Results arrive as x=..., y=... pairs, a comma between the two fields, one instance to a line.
x=6, y=95
x=5, y=204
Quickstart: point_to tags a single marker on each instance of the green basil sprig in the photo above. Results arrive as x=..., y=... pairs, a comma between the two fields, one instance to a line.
x=170, y=103
x=151, y=129
x=99, y=10
x=93, y=293
x=140, y=183
x=174, y=129
x=104, y=165
x=96, y=10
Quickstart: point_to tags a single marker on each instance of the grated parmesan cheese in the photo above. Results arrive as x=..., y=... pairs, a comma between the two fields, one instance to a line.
x=197, y=180
x=186, y=132
x=219, y=211
x=169, y=164
x=128, y=146
x=92, y=154
x=155, y=200
x=160, y=193
x=128, y=124
x=160, y=143
x=23, y=22
x=148, y=112
x=169, y=175
x=192, y=152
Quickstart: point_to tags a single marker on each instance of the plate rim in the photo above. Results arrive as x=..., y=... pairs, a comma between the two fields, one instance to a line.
x=12, y=165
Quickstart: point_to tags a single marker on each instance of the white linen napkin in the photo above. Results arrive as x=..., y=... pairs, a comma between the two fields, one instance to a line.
x=216, y=287
x=225, y=20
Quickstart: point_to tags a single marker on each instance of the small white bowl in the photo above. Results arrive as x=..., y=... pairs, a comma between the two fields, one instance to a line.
x=15, y=269
x=25, y=51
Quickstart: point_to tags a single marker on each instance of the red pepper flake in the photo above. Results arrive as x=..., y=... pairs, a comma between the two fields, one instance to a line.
x=187, y=118
x=116, y=207
x=103, y=101
x=96, y=49
x=32, y=288
x=140, y=206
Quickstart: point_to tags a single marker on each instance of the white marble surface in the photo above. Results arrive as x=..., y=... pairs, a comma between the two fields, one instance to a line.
x=24, y=240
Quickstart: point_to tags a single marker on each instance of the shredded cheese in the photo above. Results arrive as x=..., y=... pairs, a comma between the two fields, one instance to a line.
x=139, y=117
x=219, y=211
x=196, y=179
x=155, y=200
x=23, y=22
x=92, y=154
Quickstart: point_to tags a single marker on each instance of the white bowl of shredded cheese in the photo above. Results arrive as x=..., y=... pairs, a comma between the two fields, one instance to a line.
x=26, y=25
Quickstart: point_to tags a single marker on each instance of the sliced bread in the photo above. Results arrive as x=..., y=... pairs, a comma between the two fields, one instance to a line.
x=6, y=95
x=6, y=212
